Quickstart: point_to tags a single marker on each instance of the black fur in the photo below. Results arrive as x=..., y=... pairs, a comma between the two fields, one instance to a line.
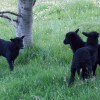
x=98, y=54
x=73, y=39
x=10, y=49
x=85, y=58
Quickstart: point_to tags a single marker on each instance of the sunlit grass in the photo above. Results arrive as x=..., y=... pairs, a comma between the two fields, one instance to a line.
x=42, y=71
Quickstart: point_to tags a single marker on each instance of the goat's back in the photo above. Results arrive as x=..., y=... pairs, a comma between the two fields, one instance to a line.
x=4, y=46
x=85, y=55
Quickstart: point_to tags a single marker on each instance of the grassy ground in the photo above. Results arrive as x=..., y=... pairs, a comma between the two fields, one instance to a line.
x=42, y=70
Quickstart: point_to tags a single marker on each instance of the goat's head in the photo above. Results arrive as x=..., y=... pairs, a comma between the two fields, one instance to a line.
x=70, y=36
x=92, y=36
x=18, y=42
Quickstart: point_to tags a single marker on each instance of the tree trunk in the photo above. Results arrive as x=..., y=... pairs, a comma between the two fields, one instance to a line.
x=24, y=25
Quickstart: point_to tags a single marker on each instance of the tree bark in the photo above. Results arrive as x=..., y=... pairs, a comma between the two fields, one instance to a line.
x=24, y=25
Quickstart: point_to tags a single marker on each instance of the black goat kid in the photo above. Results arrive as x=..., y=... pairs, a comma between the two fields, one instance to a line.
x=73, y=39
x=85, y=58
x=10, y=49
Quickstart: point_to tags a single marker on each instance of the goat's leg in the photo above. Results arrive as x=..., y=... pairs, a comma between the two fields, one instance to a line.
x=72, y=77
x=94, y=69
x=10, y=62
x=13, y=62
x=83, y=74
x=90, y=70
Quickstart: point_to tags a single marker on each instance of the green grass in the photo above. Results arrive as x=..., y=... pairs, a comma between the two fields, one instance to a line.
x=41, y=71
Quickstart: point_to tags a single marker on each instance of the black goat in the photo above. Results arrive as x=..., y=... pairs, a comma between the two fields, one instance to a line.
x=73, y=39
x=10, y=49
x=85, y=58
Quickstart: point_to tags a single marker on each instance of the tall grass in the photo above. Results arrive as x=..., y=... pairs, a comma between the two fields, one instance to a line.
x=42, y=70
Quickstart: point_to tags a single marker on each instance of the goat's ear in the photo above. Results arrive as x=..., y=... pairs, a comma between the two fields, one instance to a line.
x=22, y=37
x=77, y=31
x=12, y=40
x=86, y=34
